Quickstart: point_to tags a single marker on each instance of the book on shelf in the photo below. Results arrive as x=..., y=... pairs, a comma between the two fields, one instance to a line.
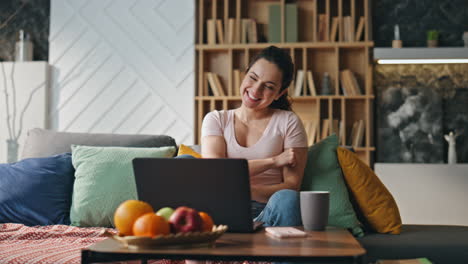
x=237, y=76
x=325, y=128
x=322, y=27
x=341, y=133
x=348, y=29
x=299, y=81
x=352, y=134
x=253, y=32
x=212, y=84
x=360, y=29
x=311, y=128
x=357, y=134
x=334, y=126
x=211, y=31
x=290, y=23
x=237, y=30
x=231, y=32
x=205, y=85
x=349, y=84
x=220, y=31
x=249, y=31
x=290, y=20
x=334, y=29
x=219, y=86
x=311, y=83
x=345, y=86
x=215, y=84
x=244, y=30
x=274, y=23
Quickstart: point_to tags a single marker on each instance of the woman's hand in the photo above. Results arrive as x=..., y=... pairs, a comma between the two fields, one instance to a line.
x=287, y=158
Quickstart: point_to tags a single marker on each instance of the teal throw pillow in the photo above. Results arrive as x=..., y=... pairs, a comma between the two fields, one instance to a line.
x=104, y=179
x=323, y=173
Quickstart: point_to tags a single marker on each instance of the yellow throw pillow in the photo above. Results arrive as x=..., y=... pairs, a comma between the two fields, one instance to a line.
x=373, y=198
x=187, y=150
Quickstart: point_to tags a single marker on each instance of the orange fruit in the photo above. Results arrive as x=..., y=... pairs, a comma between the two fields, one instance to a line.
x=208, y=223
x=151, y=225
x=127, y=213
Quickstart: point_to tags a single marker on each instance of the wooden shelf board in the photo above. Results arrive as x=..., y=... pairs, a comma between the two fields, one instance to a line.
x=304, y=98
x=360, y=44
x=300, y=98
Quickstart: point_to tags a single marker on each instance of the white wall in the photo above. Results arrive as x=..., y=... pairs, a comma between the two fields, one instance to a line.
x=428, y=193
x=31, y=80
x=123, y=66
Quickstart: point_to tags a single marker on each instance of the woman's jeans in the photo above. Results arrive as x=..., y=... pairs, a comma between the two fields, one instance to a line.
x=282, y=209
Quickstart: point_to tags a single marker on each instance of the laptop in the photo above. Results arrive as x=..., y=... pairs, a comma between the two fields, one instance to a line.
x=219, y=187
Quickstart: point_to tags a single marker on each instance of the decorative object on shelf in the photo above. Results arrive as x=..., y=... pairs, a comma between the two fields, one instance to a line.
x=24, y=47
x=396, y=43
x=432, y=38
x=326, y=84
x=465, y=38
x=452, y=150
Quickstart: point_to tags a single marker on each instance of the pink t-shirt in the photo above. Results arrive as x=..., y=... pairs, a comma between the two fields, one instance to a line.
x=284, y=130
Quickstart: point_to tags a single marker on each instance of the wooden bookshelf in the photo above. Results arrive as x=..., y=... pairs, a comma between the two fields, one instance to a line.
x=310, y=52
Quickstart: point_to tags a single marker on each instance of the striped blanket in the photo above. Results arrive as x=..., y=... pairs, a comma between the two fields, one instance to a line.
x=50, y=244
x=56, y=244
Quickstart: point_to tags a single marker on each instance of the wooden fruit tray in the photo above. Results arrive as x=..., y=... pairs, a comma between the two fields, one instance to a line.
x=190, y=239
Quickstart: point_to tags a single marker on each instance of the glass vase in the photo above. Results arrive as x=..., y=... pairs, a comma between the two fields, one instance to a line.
x=12, y=150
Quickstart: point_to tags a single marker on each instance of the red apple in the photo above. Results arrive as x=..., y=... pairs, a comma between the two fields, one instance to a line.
x=185, y=219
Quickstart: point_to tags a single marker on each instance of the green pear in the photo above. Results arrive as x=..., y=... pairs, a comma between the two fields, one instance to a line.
x=165, y=212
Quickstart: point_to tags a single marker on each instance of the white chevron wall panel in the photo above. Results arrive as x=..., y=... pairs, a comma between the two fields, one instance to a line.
x=123, y=66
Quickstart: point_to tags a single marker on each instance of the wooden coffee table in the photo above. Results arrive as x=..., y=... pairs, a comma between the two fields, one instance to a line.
x=333, y=245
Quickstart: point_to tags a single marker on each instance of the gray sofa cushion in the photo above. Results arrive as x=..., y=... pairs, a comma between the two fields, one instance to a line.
x=44, y=143
x=440, y=244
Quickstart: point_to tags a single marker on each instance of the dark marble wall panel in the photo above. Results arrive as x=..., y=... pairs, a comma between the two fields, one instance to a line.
x=415, y=17
x=30, y=15
x=416, y=105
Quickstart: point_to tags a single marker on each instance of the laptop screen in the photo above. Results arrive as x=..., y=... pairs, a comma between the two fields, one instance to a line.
x=219, y=187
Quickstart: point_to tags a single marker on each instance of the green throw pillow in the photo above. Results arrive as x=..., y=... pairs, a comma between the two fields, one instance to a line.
x=104, y=179
x=323, y=173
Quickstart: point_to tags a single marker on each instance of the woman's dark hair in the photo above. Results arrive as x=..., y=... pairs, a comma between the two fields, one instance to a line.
x=284, y=63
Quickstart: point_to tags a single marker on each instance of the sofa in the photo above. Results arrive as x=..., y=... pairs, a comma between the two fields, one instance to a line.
x=440, y=244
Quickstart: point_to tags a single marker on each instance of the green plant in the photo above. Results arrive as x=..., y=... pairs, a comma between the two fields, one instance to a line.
x=432, y=35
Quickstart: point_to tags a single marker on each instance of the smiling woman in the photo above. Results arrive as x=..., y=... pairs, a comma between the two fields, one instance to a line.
x=268, y=134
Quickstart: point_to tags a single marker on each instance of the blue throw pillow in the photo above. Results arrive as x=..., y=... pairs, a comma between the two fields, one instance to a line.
x=37, y=191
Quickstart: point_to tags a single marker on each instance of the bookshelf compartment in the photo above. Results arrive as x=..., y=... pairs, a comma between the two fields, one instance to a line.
x=259, y=11
x=309, y=112
x=353, y=59
x=298, y=85
x=215, y=64
x=336, y=108
x=211, y=13
x=356, y=115
x=239, y=65
x=307, y=20
x=360, y=14
x=240, y=59
x=320, y=61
